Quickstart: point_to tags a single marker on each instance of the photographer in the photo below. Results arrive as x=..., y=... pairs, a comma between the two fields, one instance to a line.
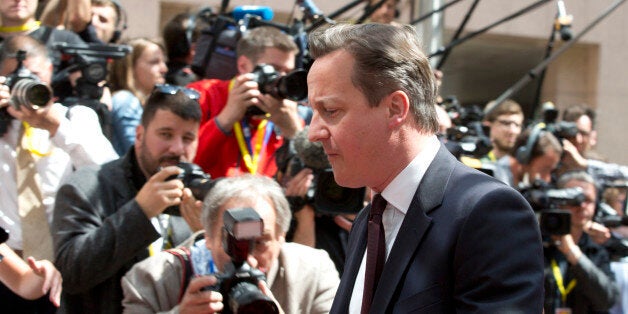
x=299, y=278
x=247, y=142
x=578, y=274
x=108, y=218
x=180, y=35
x=95, y=21
x=535, y=155
x=40, y=145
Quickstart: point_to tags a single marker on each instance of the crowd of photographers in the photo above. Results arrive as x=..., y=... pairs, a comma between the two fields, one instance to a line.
x=580, y=198
x=127, y=164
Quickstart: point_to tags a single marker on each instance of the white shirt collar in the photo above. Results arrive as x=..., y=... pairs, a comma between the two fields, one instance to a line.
x=396, y=193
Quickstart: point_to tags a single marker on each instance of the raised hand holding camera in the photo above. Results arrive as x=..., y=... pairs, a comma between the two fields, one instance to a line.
x=159, y=193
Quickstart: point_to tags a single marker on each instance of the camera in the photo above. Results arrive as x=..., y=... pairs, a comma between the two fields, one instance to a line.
x=4, y=235
x=91, y=60
x=325, y=194
x=560, y=129
x=238, y=281
x=26, y=88
x=546, y=201
x=468, y=130
x=291, y=86
x=193, y=178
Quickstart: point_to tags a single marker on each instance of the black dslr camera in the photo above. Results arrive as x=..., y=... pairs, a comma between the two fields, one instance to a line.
x=238, y=281
x=26, y=88
x=560, y=129
x=468, y=130
x=4, y=235
x=193, y=178
x=291, y=86
x=546, y=201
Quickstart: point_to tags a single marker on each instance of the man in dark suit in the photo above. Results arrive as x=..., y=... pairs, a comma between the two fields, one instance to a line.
x=456, y=240
x=108, y=218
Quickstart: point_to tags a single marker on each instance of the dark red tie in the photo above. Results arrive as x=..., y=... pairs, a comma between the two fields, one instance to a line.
x=375, y=251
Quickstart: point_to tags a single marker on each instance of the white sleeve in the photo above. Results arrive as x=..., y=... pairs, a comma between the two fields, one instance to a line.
x=80, y=135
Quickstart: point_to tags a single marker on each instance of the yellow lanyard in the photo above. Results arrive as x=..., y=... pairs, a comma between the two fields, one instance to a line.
x=29, y=144
x=32, y=25
x=491, y=156
x=559, y=282
x=251, y=163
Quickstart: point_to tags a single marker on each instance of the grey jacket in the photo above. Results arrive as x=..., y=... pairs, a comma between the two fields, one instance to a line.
x=304, y=280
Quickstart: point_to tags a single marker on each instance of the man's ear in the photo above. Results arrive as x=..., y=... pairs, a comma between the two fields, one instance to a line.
x=245, y=65
x=398, y=107
x=139, y=135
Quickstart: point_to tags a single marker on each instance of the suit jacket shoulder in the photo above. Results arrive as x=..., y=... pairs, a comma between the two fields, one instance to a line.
x=467, y=242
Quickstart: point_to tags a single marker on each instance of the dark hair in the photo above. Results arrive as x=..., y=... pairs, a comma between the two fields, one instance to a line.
x=574, y=112
x=180, y=32
x=507, y=107
x=253, y=43
x=545, y=141
x=387, y=58
x=179, y=103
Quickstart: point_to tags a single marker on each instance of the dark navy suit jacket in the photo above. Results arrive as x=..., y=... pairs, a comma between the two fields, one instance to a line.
x=468, y=243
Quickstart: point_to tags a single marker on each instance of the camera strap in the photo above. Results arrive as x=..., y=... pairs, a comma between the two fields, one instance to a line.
x=558, y=276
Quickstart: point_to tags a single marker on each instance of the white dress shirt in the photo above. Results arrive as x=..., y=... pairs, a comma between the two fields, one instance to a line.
x=78, y=142
x=398, y=194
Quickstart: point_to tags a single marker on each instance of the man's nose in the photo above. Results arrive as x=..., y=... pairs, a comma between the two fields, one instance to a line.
x=177, y=146
x=316, y=131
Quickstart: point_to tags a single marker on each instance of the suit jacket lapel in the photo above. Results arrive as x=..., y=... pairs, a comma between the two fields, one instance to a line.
x=416, y=224
x=355, y=252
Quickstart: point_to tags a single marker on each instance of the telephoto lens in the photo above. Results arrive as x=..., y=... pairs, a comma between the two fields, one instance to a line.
x=30, y=93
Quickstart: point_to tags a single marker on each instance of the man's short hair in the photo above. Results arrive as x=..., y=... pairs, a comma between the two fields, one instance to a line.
x=253, y=43
x=245, y=187
x=33, y=48
x=578, y=175
x=179, y=103
x=574, y=112
x=507, y=107
x=387, y=58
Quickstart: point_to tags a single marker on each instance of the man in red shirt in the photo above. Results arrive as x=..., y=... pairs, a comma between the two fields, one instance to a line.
x=232, y=142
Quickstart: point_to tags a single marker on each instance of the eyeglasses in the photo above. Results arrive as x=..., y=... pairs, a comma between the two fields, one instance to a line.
x=508, y=124
x=173, y=89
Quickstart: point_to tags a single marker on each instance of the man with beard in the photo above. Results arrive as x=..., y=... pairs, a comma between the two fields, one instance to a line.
x=505, y=123
x=109, y=218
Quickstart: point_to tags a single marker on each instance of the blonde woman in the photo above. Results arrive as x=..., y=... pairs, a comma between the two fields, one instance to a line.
x=132, y=79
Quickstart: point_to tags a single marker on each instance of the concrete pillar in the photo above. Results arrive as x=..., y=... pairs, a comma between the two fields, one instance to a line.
x=431, y=29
